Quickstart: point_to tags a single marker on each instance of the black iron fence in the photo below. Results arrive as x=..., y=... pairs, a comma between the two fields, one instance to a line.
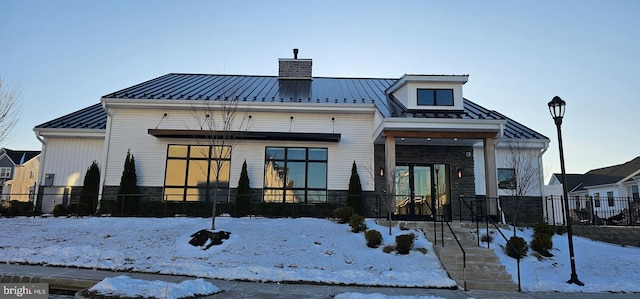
x=594, y=210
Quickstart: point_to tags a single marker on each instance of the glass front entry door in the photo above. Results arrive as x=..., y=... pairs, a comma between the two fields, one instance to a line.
x=421, y=191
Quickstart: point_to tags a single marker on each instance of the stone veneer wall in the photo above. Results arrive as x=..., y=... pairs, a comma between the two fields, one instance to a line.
x=622, y=235
x=529, y=213
x=455, y=156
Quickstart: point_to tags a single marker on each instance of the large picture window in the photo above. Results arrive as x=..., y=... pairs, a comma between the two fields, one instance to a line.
x=192, y=170
x=435, y=97
x=295, y=175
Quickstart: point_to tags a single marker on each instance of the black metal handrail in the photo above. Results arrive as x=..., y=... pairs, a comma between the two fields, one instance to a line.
x=489, y=220
x=461, y=199
x=512, y=248
x=464, y=253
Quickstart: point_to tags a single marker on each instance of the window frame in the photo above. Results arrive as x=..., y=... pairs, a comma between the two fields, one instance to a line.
x=189, y=159
x=5, y=172
x=435, y=97
x=288, y=192
x=511, y=183
x=596, y=200
x=610, y=200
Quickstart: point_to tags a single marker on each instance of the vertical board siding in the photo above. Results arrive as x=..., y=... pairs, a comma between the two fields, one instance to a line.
x=69, y=158
x=129, y=132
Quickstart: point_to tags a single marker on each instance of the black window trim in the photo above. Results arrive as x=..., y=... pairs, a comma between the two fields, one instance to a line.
x=435, y=98
x=306, y=160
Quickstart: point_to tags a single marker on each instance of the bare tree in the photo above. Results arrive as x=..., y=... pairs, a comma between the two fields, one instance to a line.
x=524, y=160
x=386, y=192
x=223, y=124
x=9, y=109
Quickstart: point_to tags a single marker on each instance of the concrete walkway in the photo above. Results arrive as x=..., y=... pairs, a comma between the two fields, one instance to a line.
x=65, y=278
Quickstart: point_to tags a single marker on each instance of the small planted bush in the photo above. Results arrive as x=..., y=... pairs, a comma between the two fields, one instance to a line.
x=388, y=249
x=560, y=230
x=343, y=214
x=404, y=243
x=544, y=228
x=357, y=223
x=373, y=237
x=518, y=248
x=542, y=243
x=59, y=210
x=486, y=238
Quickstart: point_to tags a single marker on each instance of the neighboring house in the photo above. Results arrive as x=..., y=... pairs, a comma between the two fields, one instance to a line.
x=603, y=192
x=299, y=135
x=18, y=173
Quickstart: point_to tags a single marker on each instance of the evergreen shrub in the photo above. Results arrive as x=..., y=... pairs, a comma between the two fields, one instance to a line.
x=357, y=223
x=373, y=237
x=343, y=214
x=518, y=248
x=404, y=243
x=59, y=210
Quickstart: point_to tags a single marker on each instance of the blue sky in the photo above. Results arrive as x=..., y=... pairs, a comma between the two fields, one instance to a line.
x=65, y=55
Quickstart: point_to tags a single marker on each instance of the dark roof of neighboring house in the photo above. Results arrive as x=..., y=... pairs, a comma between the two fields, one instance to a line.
x=17, y=156
x=609, y=175
x=573, y=180
x=319, y=90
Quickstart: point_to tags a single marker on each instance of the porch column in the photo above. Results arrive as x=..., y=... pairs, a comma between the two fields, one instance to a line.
x=390, y=170
x=490, y=175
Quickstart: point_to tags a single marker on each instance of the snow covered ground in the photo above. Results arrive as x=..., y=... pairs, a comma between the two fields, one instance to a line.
x=302, y=250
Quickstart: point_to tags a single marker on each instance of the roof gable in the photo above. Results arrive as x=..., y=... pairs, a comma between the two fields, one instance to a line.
x=610, y=174
x=19, y=156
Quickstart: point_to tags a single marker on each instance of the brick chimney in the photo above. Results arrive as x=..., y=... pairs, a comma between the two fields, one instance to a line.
x=294, y=68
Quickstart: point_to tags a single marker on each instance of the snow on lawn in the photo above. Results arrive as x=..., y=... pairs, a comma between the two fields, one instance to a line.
x=124, y=286
x=602, y=267
x=259, y=249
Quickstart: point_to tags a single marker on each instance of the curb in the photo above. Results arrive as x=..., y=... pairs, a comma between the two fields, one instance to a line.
x=61, y=283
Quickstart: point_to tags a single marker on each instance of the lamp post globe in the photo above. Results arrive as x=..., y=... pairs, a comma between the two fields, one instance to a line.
x=557, y=109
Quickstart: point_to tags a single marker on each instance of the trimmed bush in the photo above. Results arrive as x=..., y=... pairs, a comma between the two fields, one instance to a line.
x=59, y=210
x=16, y=208
x=542, y=243
x=519, y=249
x=404, y=243
x=343, y=214
x=90, y=189
x=544, y=228
x=243, y=193
x=388, y=249
x=357, y=223
x=373, y=237
x=354, y=200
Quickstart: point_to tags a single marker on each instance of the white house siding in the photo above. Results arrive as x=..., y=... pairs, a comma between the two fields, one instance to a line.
x=502, y=158
x=129, y=132
x=69, y=158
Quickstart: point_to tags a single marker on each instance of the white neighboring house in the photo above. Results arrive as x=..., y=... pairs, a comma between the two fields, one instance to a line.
x=603, y=192
x=299, y=135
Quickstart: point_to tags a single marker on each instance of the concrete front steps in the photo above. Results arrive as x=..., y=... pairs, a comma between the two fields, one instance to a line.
x=483, y=269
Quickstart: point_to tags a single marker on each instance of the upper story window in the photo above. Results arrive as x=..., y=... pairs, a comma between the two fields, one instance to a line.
x=435, y=97
x=5, y=172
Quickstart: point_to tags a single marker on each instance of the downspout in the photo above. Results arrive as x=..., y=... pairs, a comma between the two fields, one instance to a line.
x=41, y=168
x=544, y=200
x=105, y=159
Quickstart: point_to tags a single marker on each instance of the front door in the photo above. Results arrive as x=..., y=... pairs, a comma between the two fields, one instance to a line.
x=422, y=191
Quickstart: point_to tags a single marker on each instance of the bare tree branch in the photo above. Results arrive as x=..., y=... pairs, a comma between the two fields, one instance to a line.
x=10, y=109
x=222, y=122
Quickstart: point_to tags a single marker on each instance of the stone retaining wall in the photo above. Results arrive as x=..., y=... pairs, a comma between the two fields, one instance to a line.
x=622, y=235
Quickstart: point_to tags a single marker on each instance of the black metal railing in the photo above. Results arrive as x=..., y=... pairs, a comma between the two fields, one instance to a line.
x=488, y=221
x=594, y=210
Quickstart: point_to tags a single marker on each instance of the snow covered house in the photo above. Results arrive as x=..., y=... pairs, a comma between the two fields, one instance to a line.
x=299, y=135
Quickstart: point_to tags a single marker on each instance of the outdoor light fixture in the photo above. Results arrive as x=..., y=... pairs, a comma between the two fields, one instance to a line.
x=381, y=171
x=556, y=108
x=460, y=173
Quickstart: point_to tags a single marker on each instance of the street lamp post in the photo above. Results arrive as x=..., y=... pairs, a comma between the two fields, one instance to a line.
x=556, y=108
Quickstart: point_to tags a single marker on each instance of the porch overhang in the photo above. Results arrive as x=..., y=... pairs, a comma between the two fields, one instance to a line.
x=248, y=135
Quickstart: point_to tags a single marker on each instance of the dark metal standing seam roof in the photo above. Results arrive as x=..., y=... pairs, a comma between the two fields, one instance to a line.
x=319, y=90
x=16, y=156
